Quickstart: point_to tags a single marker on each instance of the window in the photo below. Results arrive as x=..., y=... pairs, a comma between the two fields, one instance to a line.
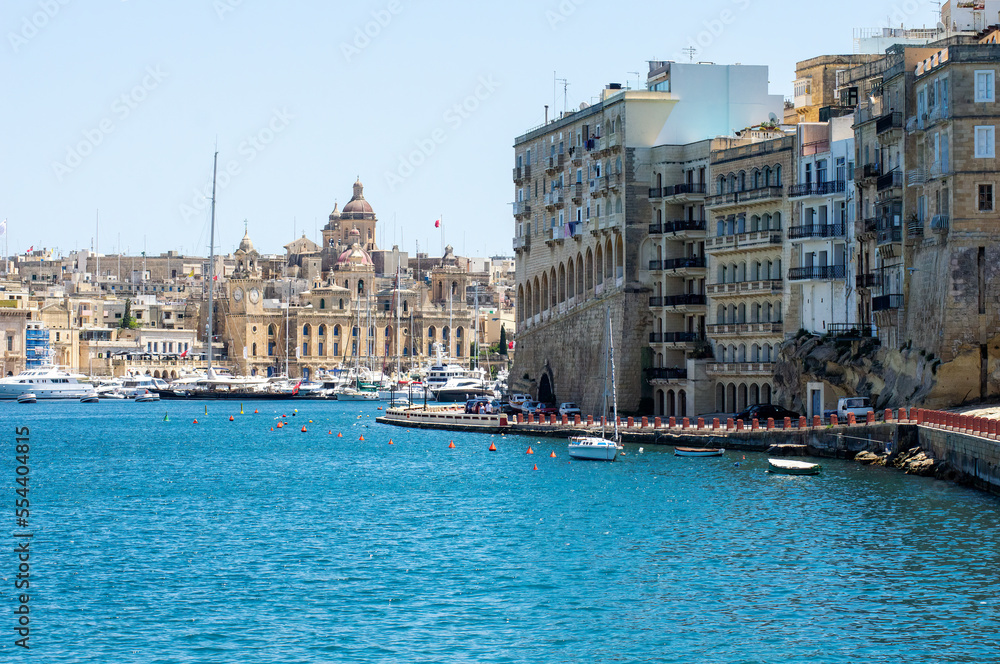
x=986, y=198
x=985, y=142
x=984, y=85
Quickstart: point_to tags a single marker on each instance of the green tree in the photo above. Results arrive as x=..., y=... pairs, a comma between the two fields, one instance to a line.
x=128, y=320
x=503, y=340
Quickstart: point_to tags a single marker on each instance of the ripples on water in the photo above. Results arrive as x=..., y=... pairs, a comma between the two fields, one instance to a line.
x=169, y=542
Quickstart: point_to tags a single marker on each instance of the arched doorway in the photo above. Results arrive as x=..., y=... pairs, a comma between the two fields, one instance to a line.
x=545, y=393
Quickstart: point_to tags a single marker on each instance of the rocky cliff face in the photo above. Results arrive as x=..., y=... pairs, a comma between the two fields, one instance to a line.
x=892, y=377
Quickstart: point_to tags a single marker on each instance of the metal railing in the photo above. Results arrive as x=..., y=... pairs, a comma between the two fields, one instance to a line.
x=675, y=337
x=818, y=188
x=888, y=122
x=823, y=272
x=816, y=230
x=677, y=300
x=678, y=226
x=893, y=235
x=851, y=331
x=892, y=180
x=666, y=374
x=887, y=302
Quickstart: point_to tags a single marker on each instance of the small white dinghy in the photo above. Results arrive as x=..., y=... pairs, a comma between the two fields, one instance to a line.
x=27, y=397
x=698, y=451
x=785, y=467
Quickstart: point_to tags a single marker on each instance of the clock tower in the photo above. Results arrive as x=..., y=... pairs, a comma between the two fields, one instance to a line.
x=246, y=324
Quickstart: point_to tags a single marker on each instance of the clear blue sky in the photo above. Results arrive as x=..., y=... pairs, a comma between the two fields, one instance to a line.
x=117, y=105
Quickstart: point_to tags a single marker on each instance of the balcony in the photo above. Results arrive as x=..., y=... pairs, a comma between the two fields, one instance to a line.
x=867, y=172
x=817, y=273
x=688, y=263
x=598, y=187
x=742, y=329
x=677, y=227
x=887, y=302
x=675, y=338
x=865, y=228
x=939, y=223
x=867, y=281
x=755, y=239
x=741, y=288
x=891, y=180
x=576, y=191
x=889, y=127
x=816, y=230
x=555, y=163
x=521, y=208
x=817, y=189
x=522, y=243
x=890, y=235
x=674, y=301
x=683, y=193
x=666, y=375
x=741, y=369
x=760, y=194
x=518, y=174
x=554, y=199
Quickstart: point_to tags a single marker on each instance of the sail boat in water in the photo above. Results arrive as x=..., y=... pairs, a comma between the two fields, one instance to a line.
x=600, y=448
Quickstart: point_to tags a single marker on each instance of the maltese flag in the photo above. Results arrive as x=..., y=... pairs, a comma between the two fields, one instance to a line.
x=437, y=224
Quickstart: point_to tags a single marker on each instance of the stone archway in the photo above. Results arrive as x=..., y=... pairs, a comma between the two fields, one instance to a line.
x=546, y=394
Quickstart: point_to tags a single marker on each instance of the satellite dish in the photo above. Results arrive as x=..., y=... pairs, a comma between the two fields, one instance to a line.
x=940, y=27
x=772, y=117
x=584, y=105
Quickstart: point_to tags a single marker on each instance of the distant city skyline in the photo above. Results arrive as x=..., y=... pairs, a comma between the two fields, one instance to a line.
x=118, y=108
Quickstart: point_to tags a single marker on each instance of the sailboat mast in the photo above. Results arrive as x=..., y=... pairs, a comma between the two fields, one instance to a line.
x=604, y=396
x=288, y=332
x=398, y=307
x=211, y=266
x=614, y=383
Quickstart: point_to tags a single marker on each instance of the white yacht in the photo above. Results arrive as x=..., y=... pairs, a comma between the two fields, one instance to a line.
x=46, y=382
x=134, y=387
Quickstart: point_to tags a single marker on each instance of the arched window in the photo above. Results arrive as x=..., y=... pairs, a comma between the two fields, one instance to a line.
x=336, y=330
x=354, y=331
x=271, y=330
x=341, y=303
x=720, y=315
x=361, y=286
x=720, y=187
x=305, y=330
x=405, y=306
x=322, y=303
x=777, y=175
x=618, y=205
x=322, y=331
x=776, y=221
x=618, y=165
x=254, y=349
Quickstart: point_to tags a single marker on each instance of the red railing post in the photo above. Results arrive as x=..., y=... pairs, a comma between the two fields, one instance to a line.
x=817, y=421
x=657, y=423
x=730, y=424
x=715, y=424
x=701, y=423
x=833, y=420
x=686, y=423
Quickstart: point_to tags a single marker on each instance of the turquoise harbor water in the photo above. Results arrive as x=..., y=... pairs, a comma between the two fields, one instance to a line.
x=226, y=542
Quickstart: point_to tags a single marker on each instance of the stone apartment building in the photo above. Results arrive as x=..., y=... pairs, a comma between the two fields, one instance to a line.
x=583, y=217
x=749, y=308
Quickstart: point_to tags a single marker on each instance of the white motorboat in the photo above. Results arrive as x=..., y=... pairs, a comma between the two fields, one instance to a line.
x=593, y=448
x=46, y=382
x=600, y=448
x=786, y=467
x=90, y=398
x=134, y=387
x=27, y=397
x=147, y=397
x=354, y=394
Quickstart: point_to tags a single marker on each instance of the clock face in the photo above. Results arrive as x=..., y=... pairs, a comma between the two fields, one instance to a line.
x=254, y=295
x=238, y=294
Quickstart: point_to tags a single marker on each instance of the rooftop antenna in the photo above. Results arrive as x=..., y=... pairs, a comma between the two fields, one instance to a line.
x=638, y=81
x=691, y=51
x=565, y=83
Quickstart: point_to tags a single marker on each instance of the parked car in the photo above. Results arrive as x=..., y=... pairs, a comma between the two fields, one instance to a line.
x=529, y=407
x=860, y=406
x=763, y=411
x=547, y=409
x=518, y=400
x=569, y=409
x=476, y=405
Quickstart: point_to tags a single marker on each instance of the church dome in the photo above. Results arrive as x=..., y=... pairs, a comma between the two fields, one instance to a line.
x=246, y=245
x=355, y=255
x=358, y=207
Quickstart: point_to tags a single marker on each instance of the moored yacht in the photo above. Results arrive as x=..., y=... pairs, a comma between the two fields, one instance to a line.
x=47, y=382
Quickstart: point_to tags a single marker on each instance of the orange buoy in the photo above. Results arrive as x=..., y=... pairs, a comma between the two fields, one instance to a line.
x=196, y=421
x=310, y=421
x=281, y=424
x=230, y=418
x=390, y=441
x=303, y=429
x=553, y=455
x=530, y=451
x=284, y=415
x=340, y=435
x=451, y=445
x=254, y=411
x=536, y=467
x=493, y=448
x=362, y=439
